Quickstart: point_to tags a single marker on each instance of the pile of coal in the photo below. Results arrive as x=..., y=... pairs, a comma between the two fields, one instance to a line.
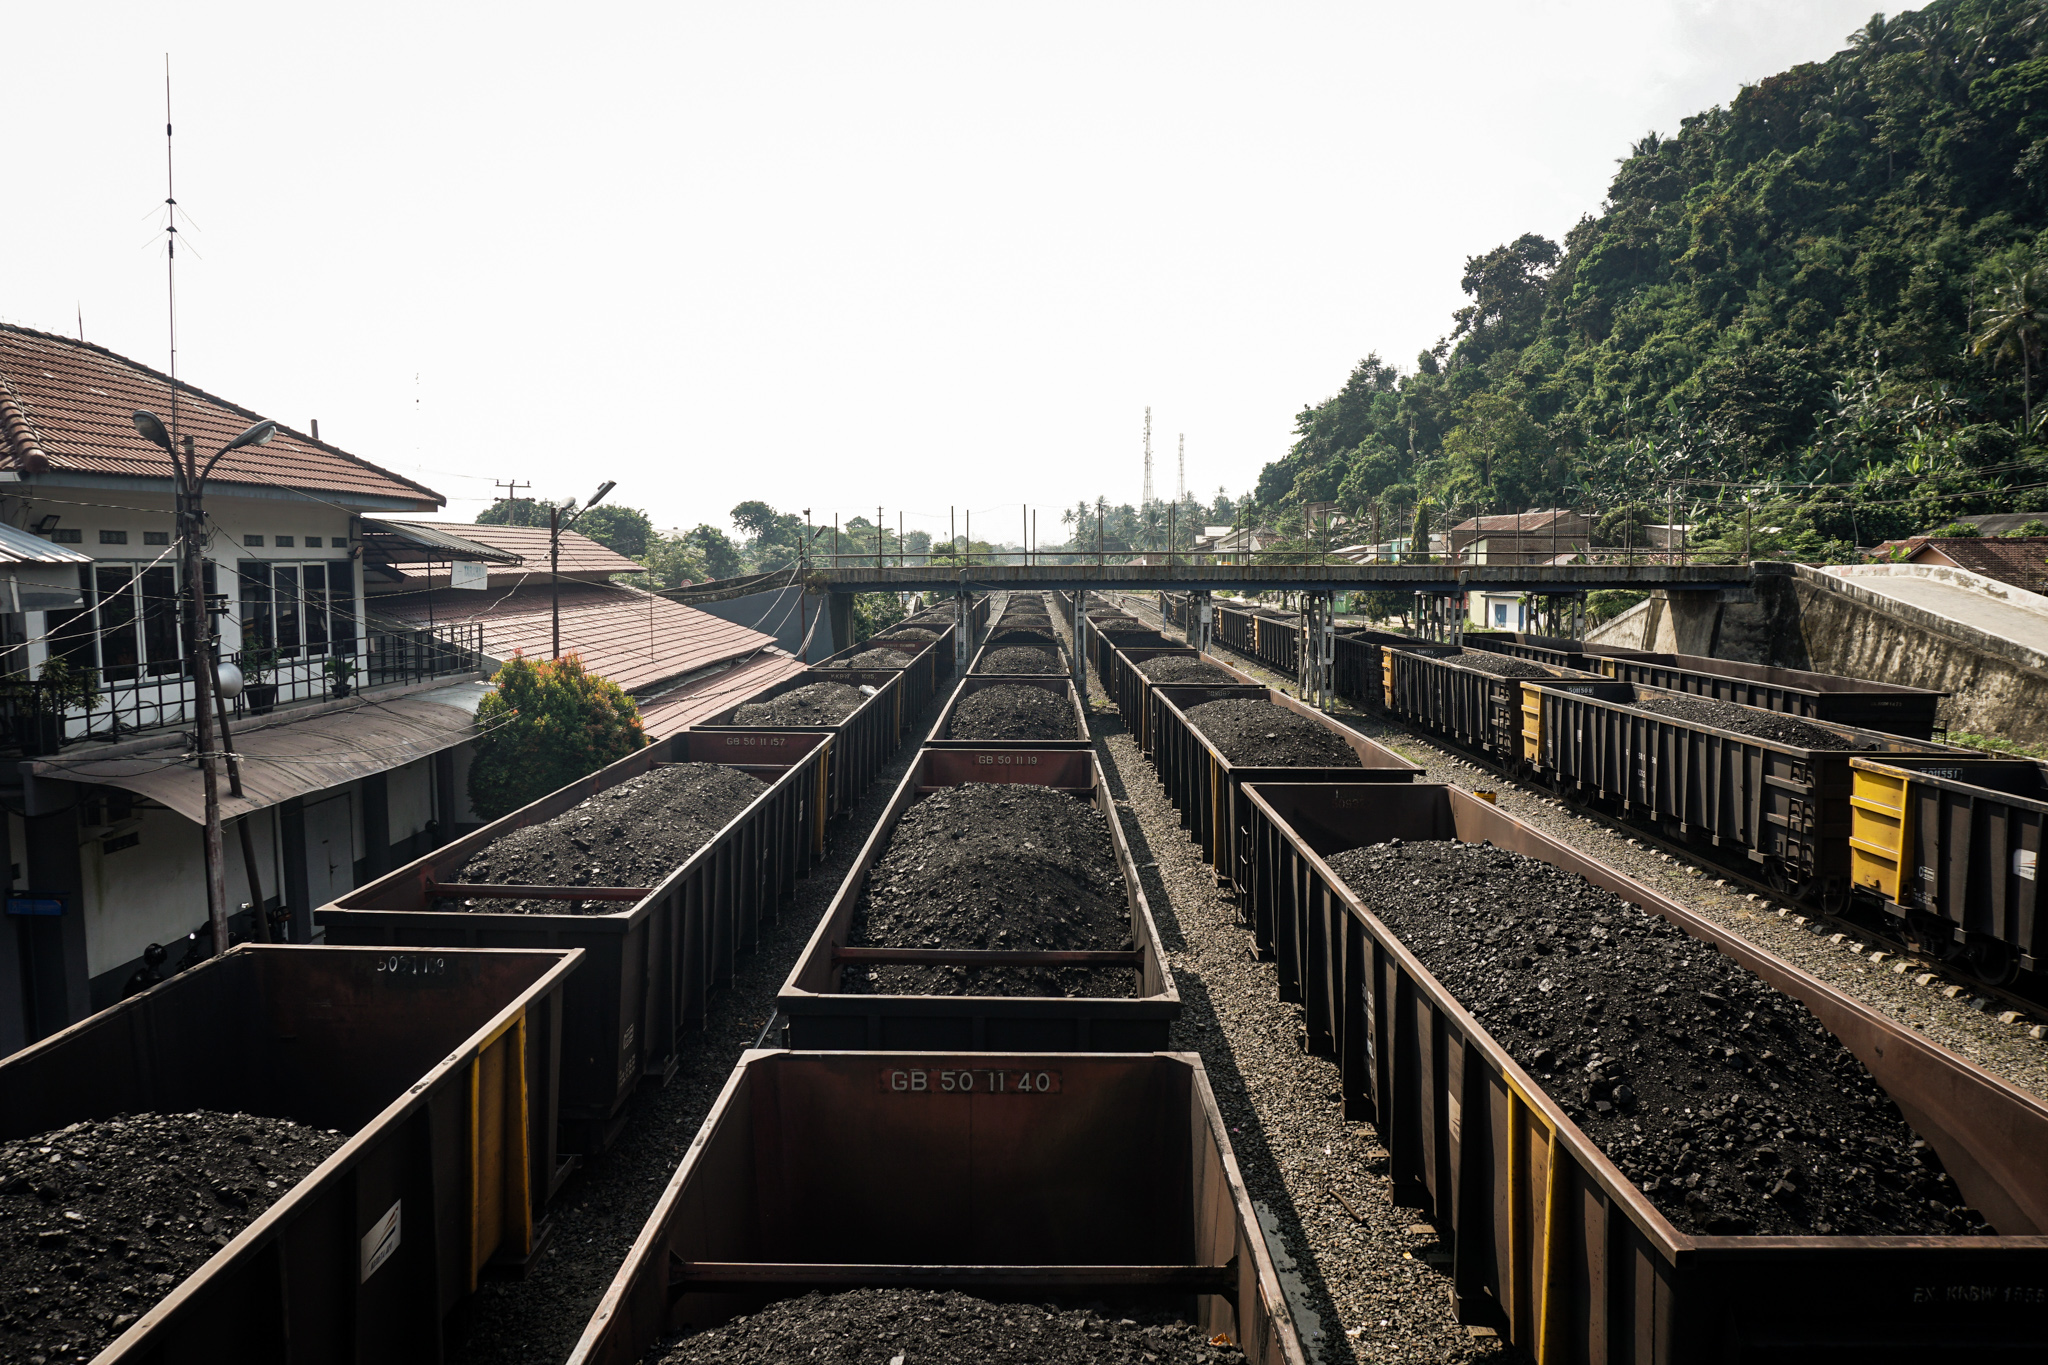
x=1502, y=665
x=908, y=635
x=944, y=1327
x=824, y=703
x=633, y=834
x=104, y=1218
x=1013, y=711
x=1258, y=734
x=1020, y=659
x=1721, y=1098
x=872, y=658
x=1182, y=668
x=1748, y=720
x=995, y=865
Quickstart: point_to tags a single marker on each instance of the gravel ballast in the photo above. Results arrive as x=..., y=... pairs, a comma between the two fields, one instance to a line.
x=104, y=1218
x=633, y=834
x=1722, y=1099
x=1013, y=711
x=934, y=1327
x=1746, y=720
x=1258, y=734
x=995, y=865
x=872, y=658
x=824, y=703
x=1016, y=660
x=1179, y=668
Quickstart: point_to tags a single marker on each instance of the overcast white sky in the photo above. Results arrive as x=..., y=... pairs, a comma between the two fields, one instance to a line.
x=828, y=255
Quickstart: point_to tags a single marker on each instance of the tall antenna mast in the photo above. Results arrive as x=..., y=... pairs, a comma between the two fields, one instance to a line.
x=171, y=250
x=1180, y=482
x=1148, y=458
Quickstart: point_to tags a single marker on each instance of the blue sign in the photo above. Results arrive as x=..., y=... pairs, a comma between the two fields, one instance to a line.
x=35, y=902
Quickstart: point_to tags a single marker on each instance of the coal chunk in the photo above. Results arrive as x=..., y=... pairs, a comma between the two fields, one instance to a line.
x=633, y=834
x=1258, y=734
x=1722, y=1099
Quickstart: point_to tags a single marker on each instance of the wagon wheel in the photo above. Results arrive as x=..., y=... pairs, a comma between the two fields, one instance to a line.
x=1992, y=962
x=1779, y=878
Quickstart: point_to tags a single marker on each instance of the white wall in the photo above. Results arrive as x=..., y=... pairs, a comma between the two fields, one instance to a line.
x=410, y=794
x=155, y=892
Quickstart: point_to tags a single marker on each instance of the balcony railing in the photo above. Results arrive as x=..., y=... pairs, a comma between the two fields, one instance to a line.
x=41, y=716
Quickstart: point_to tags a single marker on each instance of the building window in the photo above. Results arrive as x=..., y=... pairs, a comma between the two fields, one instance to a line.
x=283, y=542
x=312, y=542
x=253, y=542
x=68, y=535
x=113, y=537
x=156, y=537
x=299, y=610
x=129, y=625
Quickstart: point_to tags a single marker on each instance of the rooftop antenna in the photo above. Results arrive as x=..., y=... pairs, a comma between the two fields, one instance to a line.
x=81, y=321
x=1180, y=482
x=171, y=250
x=1148, y=458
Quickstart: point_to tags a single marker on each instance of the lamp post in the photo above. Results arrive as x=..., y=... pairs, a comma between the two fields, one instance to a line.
x=190, y=477
x=555, y=528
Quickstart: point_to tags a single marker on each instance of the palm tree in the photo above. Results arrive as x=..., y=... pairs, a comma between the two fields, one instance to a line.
x=2012, y=327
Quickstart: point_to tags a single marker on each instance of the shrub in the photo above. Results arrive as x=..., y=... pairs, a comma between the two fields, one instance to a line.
x=545, y=724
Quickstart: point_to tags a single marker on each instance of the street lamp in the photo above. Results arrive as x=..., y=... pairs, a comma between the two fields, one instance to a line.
x=190, y=479
x=555, y=528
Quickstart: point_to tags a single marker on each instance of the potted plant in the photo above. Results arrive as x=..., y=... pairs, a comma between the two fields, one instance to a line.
x=339, y=670
x=58, y=688
x=260, y=693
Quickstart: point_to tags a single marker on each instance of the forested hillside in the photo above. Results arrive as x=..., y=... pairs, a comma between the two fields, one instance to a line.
x=1825, y=297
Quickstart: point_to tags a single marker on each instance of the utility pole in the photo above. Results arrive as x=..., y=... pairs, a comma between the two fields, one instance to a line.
x=199, y=629
x=555, y=528
x=1180, y=478
x=511, y=487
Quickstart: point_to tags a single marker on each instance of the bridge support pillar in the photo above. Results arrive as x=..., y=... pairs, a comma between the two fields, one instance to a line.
x=1079, y=660
x=963, y=632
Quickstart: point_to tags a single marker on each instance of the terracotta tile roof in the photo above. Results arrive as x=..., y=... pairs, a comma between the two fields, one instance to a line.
x=66, y=405
x=580, y=554
x=2022, y=561
x=634, y=638
x=684, y=707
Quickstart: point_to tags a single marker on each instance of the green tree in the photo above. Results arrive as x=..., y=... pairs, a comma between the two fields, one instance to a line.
x=675, y=561
x=875, y=612
x=544, y=724
x=514, y=512
x=2010, y=328
x=624, y=529
x=721, y=557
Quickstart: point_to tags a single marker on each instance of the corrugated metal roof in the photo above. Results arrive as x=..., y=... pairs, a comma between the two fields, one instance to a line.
x=581, y=556
x=632, y=637
x=26, y=547
x=424, y=542
x=290, y=757
x=701, y=700
x=69, y=405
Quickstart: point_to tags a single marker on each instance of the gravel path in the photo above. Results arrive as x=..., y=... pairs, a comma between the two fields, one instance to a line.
x=1968, y=1023
x=601, y=1210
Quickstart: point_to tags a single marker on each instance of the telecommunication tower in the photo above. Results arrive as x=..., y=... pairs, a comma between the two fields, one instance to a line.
x=1148, y=458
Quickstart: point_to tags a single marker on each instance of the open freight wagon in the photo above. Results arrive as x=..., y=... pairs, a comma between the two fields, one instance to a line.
x=1058, y=686
x=1439, y=691
x=654, y=961
x=1010, y=1175
x=1777, y=805
x=1952, y=846
x=1126, y=681
x=1358, y=671
x=1551, y=1242
x=981, y=665
x=1206, y=787
x=931, y=663
x=823, y=1015
x=440, y=1069
x=861, y=745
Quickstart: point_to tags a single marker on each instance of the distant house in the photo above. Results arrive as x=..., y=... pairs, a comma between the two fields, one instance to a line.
x=2021, y=561
x=1536, y=537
